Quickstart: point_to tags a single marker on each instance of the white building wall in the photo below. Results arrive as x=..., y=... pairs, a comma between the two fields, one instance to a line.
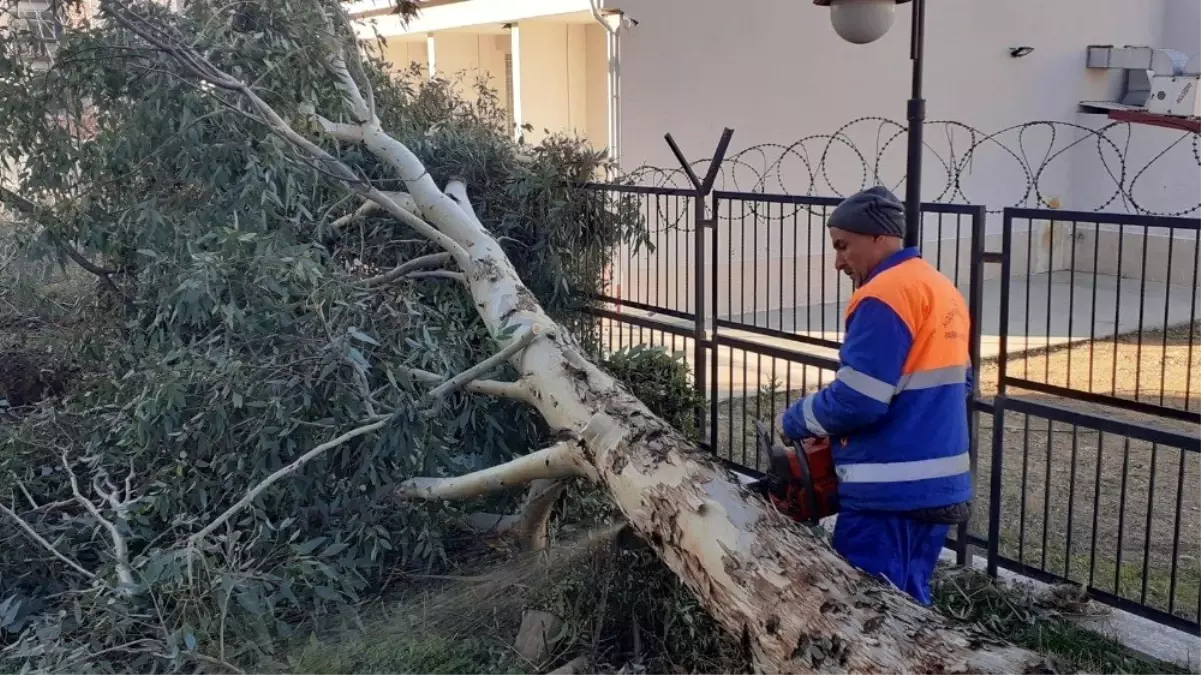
x=1182, y=27
x=775, y=71
x=1141, y=169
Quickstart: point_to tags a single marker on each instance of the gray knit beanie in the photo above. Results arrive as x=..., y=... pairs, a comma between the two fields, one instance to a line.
x=874, y=211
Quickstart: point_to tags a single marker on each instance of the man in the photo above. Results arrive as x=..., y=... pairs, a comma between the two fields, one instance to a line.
x=896, y=414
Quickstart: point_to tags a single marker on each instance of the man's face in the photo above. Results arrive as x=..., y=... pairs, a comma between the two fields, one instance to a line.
x=855, y=255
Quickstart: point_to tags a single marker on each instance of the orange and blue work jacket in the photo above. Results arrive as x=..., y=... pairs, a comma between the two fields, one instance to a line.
x=896, y=412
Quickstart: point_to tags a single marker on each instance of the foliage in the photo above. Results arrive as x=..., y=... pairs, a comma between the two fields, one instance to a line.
x=624, y=606
x=244, y=334
x=411, y=653
x=660, y=380
x=1039, y=623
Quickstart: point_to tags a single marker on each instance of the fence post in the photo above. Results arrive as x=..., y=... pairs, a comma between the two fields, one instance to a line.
x=998, y=427
x=701, y=225
x=994, y=490
x=963, y=553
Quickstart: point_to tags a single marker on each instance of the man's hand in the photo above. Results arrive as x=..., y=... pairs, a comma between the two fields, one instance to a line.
x=814, y=443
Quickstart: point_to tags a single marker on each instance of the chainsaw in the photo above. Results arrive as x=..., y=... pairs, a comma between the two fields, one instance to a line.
x=800, y=479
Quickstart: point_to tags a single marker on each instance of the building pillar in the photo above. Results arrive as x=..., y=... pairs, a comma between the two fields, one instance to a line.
x=515, y=48
x=430, y=55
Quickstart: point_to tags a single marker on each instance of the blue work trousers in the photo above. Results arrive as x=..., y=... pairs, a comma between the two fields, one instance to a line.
x=897, y=547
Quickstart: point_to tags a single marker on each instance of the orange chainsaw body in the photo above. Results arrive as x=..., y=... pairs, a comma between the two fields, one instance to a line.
x=801, y=481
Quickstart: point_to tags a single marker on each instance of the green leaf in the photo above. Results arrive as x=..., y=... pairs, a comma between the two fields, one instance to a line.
x=334, y=549
x=326, y=593
x=362, y=337
x=309, y=546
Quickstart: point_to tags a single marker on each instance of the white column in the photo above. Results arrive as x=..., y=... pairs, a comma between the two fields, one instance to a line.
x=515, y=46
x=430, y=54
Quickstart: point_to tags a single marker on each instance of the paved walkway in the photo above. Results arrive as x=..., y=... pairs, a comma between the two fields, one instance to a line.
x=1051, y=309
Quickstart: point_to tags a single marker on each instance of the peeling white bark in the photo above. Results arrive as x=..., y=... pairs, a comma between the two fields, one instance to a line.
x=562, y=460
x=514, y=390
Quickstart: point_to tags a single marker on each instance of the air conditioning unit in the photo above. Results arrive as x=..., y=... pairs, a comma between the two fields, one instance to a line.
x=1175, y=96
x=1158, y=82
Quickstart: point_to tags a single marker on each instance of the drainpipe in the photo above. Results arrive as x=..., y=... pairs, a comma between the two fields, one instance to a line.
x=613, y=22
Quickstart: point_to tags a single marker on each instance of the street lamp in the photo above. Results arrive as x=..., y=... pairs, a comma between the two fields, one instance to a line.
x=864, y=21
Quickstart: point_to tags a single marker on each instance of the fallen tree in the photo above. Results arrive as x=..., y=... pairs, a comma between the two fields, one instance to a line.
x=800, y=607
x=797, y=604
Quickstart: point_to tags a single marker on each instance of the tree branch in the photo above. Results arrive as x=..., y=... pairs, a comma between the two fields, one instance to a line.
x=30, y=209
x=282, y=473
x=438, y=274
x=456, y=189
x=517, y=391
x=363, y=107
x=534, y=518
x=462, y=379
x=561, y=460
x=423, y=262
x=205, y=70
x=44, y=544
x=351, y=133
x=119, y=507
x=403, y=199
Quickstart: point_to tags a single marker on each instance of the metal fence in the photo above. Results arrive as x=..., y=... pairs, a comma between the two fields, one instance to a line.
x=1083, y=481
x=1095, y=461
x=1146, y=267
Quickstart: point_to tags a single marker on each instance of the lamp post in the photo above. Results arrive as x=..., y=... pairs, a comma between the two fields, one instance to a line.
x=864, y=21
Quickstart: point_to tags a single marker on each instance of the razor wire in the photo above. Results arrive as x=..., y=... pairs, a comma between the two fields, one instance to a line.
x=768, y=168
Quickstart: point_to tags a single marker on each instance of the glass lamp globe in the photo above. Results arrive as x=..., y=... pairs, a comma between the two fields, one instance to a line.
x=862, y=21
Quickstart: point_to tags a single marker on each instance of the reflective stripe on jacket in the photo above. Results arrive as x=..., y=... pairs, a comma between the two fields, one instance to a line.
x=897, y=408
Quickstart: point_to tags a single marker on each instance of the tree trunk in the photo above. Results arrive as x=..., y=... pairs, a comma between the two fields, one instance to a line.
x=800, y=606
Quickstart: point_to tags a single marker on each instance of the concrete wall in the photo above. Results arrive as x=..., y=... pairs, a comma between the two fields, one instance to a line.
x=776, y=72
x=1182, y=27
x=1133, y=169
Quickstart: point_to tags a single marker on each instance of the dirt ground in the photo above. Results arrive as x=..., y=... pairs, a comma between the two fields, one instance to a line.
x=1075, y=478
x=1155, y=367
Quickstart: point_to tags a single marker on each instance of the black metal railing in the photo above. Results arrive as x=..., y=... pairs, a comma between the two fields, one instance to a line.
x=657, y=271
x=774, y=275
x=1098, y=501
x=1103, y=308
